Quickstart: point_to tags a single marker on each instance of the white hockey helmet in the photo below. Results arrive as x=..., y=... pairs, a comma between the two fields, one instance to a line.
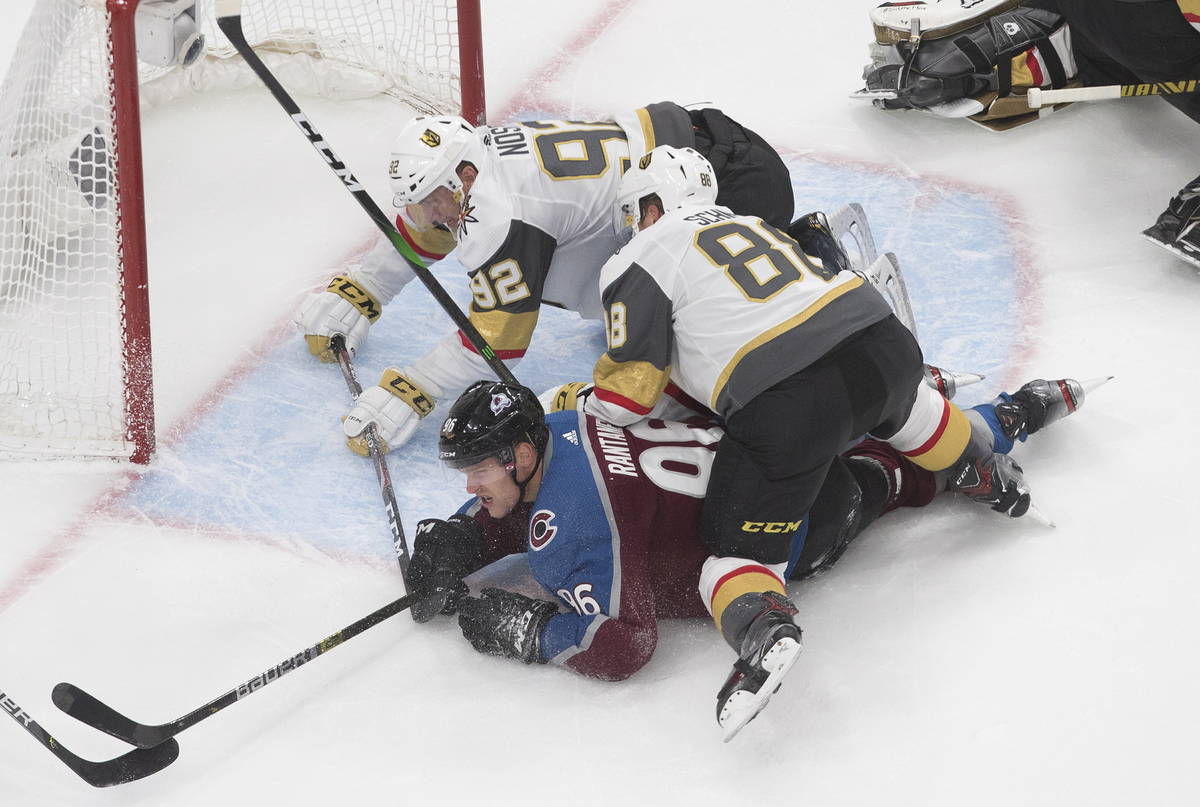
x=426, y=156
x=678, y=176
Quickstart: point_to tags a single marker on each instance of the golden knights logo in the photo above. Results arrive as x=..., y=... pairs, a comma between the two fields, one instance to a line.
x=431, y=138
x=644, y=162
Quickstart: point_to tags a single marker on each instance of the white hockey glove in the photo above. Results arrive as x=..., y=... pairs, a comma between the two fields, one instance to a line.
x=344, y=307
x=566, y=396
x=396, y=405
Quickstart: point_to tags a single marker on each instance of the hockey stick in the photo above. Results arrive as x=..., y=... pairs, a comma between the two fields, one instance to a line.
x=338, y=343
x=1037, y=98
x=136, y=764
x=86, y=708
x=229, y=20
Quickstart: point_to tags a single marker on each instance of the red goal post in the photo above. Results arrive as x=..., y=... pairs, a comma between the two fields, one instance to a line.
x=76, y=376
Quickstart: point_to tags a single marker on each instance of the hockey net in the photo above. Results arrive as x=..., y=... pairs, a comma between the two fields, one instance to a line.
x=75, y=370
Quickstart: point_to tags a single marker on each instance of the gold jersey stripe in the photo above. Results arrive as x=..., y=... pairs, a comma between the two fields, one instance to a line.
x=747, y=582
x=783, y=327
x=647, y=128
x=639, y=381
x=503, y=330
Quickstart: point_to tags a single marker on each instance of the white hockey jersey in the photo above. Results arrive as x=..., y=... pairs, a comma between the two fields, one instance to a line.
x=537, y=228
x=724, y=306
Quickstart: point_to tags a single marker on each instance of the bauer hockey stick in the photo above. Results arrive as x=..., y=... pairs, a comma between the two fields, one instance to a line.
x=1037, y=97
x=338, y=343
x=229, y=20
x=86, y=708
x=135, y=764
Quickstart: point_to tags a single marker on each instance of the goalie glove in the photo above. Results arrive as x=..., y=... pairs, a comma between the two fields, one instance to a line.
x=504, y=623
x=444, y=552
x=345, y=307
x=395, y=406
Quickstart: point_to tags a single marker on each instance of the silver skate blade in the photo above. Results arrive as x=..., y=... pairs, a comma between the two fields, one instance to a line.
x=744, y=706
x=966, y=379
x=1093, y=383
x=1040, y=517
x=874, y=95
x=1174, y=250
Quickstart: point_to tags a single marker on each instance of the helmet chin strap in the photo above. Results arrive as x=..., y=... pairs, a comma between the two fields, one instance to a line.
x=522, y=485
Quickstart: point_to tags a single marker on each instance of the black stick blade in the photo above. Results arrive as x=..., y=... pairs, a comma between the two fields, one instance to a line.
x=97, y=714
x=136, y=764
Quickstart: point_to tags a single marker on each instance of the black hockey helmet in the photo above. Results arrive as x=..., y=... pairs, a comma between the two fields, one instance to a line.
x=488, y=420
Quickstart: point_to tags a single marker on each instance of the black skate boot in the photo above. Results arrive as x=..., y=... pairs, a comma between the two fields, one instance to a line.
x=769, y=649
x=1178, y=227
x=994, y=480
x=1039, y=403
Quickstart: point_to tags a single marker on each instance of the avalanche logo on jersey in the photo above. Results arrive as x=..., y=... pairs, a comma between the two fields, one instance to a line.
x=541, y=531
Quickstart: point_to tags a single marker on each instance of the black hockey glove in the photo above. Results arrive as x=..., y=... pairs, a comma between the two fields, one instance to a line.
x=504, y=623
x=444, y=552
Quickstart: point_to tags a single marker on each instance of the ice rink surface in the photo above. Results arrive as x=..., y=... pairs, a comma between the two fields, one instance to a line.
x=952, y=657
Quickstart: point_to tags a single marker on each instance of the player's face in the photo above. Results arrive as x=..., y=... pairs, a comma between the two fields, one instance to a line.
x=439, y=207
x=492, y=482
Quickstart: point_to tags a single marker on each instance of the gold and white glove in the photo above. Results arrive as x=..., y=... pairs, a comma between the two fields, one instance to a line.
x=345, y=307
x=396, y=406
x=566, y=396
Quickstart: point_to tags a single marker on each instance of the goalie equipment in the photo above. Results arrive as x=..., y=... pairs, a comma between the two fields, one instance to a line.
x=345, y=307
x=677, y=176
x=426, y=156
x=395, y=406
x=956, y=62
x=770, y=647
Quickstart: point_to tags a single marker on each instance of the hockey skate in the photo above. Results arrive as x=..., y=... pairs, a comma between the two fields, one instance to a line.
x=769, y=649
x=1177, y=229
x=1036, y=405
x=994, y=480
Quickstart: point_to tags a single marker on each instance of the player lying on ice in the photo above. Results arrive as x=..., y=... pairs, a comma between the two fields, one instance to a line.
x=608, y=519
x=979, y=59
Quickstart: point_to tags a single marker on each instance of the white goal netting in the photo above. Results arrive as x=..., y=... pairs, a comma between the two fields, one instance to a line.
x=69, y=371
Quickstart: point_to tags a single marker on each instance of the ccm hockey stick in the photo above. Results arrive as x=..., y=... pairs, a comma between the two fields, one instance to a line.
x=135, y=764
x=229, y=20
x=84, y=707
x=1037, y=97
x=338, y=343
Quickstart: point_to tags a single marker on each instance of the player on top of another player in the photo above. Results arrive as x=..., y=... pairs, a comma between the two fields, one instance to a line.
x=608, y=519
x=528, y=205
x=798, y=356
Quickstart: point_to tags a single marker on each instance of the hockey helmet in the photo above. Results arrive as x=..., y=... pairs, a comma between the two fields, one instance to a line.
x=488, y=420
x=678, y=176
x=426, y=156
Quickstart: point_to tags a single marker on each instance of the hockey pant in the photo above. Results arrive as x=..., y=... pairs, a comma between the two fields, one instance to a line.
x=777, y=449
